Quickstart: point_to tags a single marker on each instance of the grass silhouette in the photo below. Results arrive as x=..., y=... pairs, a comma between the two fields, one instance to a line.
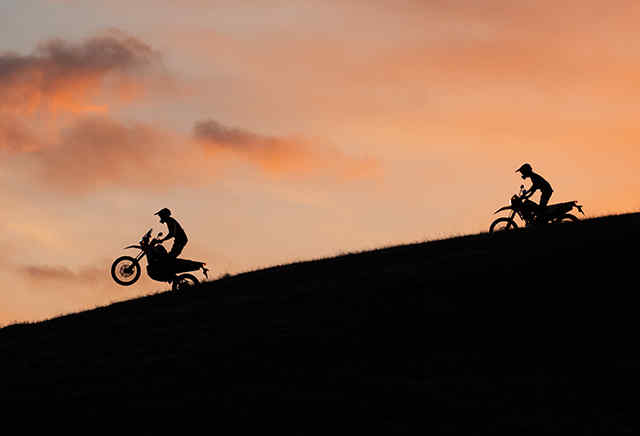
x=528, y=331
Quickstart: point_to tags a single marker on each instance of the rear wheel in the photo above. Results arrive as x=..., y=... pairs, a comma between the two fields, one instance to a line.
x=184, y=282
x=125, y=270
x=567, y=218
x=502, y=224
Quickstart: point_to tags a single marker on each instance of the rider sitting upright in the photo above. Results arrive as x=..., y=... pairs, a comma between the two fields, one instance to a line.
x=175, y=231
x=537, y=183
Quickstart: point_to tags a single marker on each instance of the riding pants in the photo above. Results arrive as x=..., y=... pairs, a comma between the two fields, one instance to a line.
x=178, y=246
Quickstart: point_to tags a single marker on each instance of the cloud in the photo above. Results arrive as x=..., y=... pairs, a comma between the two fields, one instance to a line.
x=98, y=152
x=17, y=136
x=47, y=274
x=278, y=155
x=88, y=150
x=64, y=76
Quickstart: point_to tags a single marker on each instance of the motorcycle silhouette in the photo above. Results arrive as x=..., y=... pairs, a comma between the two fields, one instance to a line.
x=125, y=270
x=529, y=212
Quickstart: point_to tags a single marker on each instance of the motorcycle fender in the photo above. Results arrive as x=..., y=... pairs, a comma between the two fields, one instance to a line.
x=503, y=208
x=134, y=246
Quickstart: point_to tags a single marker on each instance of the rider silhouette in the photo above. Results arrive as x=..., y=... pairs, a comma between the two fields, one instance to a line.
x=537, y=183
x=175, y=231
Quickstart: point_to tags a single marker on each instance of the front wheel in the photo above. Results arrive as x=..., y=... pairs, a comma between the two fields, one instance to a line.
x=184, y=282
x=502, y=224
x=125, y=270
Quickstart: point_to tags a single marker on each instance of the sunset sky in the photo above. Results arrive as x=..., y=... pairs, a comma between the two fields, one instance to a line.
x=279, y=131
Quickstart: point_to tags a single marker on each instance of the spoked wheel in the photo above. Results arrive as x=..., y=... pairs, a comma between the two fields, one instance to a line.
x=184, y=282
x=502, y=224
x=125, y=270
x=567, y=218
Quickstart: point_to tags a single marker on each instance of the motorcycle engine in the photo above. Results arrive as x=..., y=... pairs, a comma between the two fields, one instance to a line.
x=158, y=253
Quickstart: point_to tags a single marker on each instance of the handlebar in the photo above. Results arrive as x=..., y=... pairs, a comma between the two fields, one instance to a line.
x=149, y=240
x=522, y=193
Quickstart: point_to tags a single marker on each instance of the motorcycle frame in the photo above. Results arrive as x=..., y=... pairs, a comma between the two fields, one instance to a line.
x=145, y=241
x=515, y=212
x=140, y=255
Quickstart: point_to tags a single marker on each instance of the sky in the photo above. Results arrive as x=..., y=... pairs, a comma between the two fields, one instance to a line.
x=281, y=131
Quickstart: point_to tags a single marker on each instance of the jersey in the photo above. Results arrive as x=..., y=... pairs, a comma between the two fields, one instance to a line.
x=538, y=182
x=175, y=230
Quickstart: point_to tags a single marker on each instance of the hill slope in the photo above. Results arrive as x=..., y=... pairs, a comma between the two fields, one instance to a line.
x=521, y=332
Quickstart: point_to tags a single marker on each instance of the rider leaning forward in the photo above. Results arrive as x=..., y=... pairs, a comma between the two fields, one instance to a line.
x=175, y=231
x=537, y=183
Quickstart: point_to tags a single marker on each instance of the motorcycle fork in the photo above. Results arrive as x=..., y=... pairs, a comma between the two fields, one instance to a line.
x=524, y=220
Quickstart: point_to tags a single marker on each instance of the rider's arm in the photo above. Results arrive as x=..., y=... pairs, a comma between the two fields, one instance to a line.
x=170, y=233
x=528, y=193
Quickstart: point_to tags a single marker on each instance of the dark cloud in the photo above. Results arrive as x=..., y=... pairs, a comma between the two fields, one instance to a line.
x=115, y=51
x=215, y=134
x=64, y=75
x=89, y=151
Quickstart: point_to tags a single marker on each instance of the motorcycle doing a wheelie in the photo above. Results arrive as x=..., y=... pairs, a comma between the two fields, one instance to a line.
x=161, y=267
x=530, y=213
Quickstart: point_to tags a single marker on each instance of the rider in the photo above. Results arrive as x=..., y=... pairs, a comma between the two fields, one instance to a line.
x=175, y=231
x=537, y=182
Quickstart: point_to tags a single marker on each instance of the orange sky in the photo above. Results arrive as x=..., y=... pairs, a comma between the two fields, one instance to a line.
x=280, y=131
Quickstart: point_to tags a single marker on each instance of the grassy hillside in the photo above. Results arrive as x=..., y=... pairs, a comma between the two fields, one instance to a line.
x=522, y=332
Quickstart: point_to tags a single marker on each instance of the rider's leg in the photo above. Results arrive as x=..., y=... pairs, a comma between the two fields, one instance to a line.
x=544, y=200
x=177, y=248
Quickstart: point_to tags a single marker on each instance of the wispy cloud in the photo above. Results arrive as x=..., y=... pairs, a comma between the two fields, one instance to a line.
x=278, y=155
x=99, y=152
x=47, y=274
x=17, y=136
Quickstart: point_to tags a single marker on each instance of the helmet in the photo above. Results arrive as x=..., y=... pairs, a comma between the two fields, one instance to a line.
x=525, y=169
x=163, y=213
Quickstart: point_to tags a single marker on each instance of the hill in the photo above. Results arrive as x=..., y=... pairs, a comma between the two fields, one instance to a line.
x=524, y=332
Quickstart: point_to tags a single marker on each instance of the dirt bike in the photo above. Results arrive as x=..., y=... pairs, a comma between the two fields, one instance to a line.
x=161, y=267
x=529, y=212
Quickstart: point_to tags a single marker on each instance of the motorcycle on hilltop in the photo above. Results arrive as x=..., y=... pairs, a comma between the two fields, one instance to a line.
x=125, y=270
x=529, y=212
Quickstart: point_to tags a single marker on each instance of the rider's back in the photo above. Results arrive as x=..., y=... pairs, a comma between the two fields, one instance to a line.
x=539, y=182
x=175, y=229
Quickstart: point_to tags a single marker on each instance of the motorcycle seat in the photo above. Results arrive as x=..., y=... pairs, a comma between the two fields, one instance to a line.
x=559, y=208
